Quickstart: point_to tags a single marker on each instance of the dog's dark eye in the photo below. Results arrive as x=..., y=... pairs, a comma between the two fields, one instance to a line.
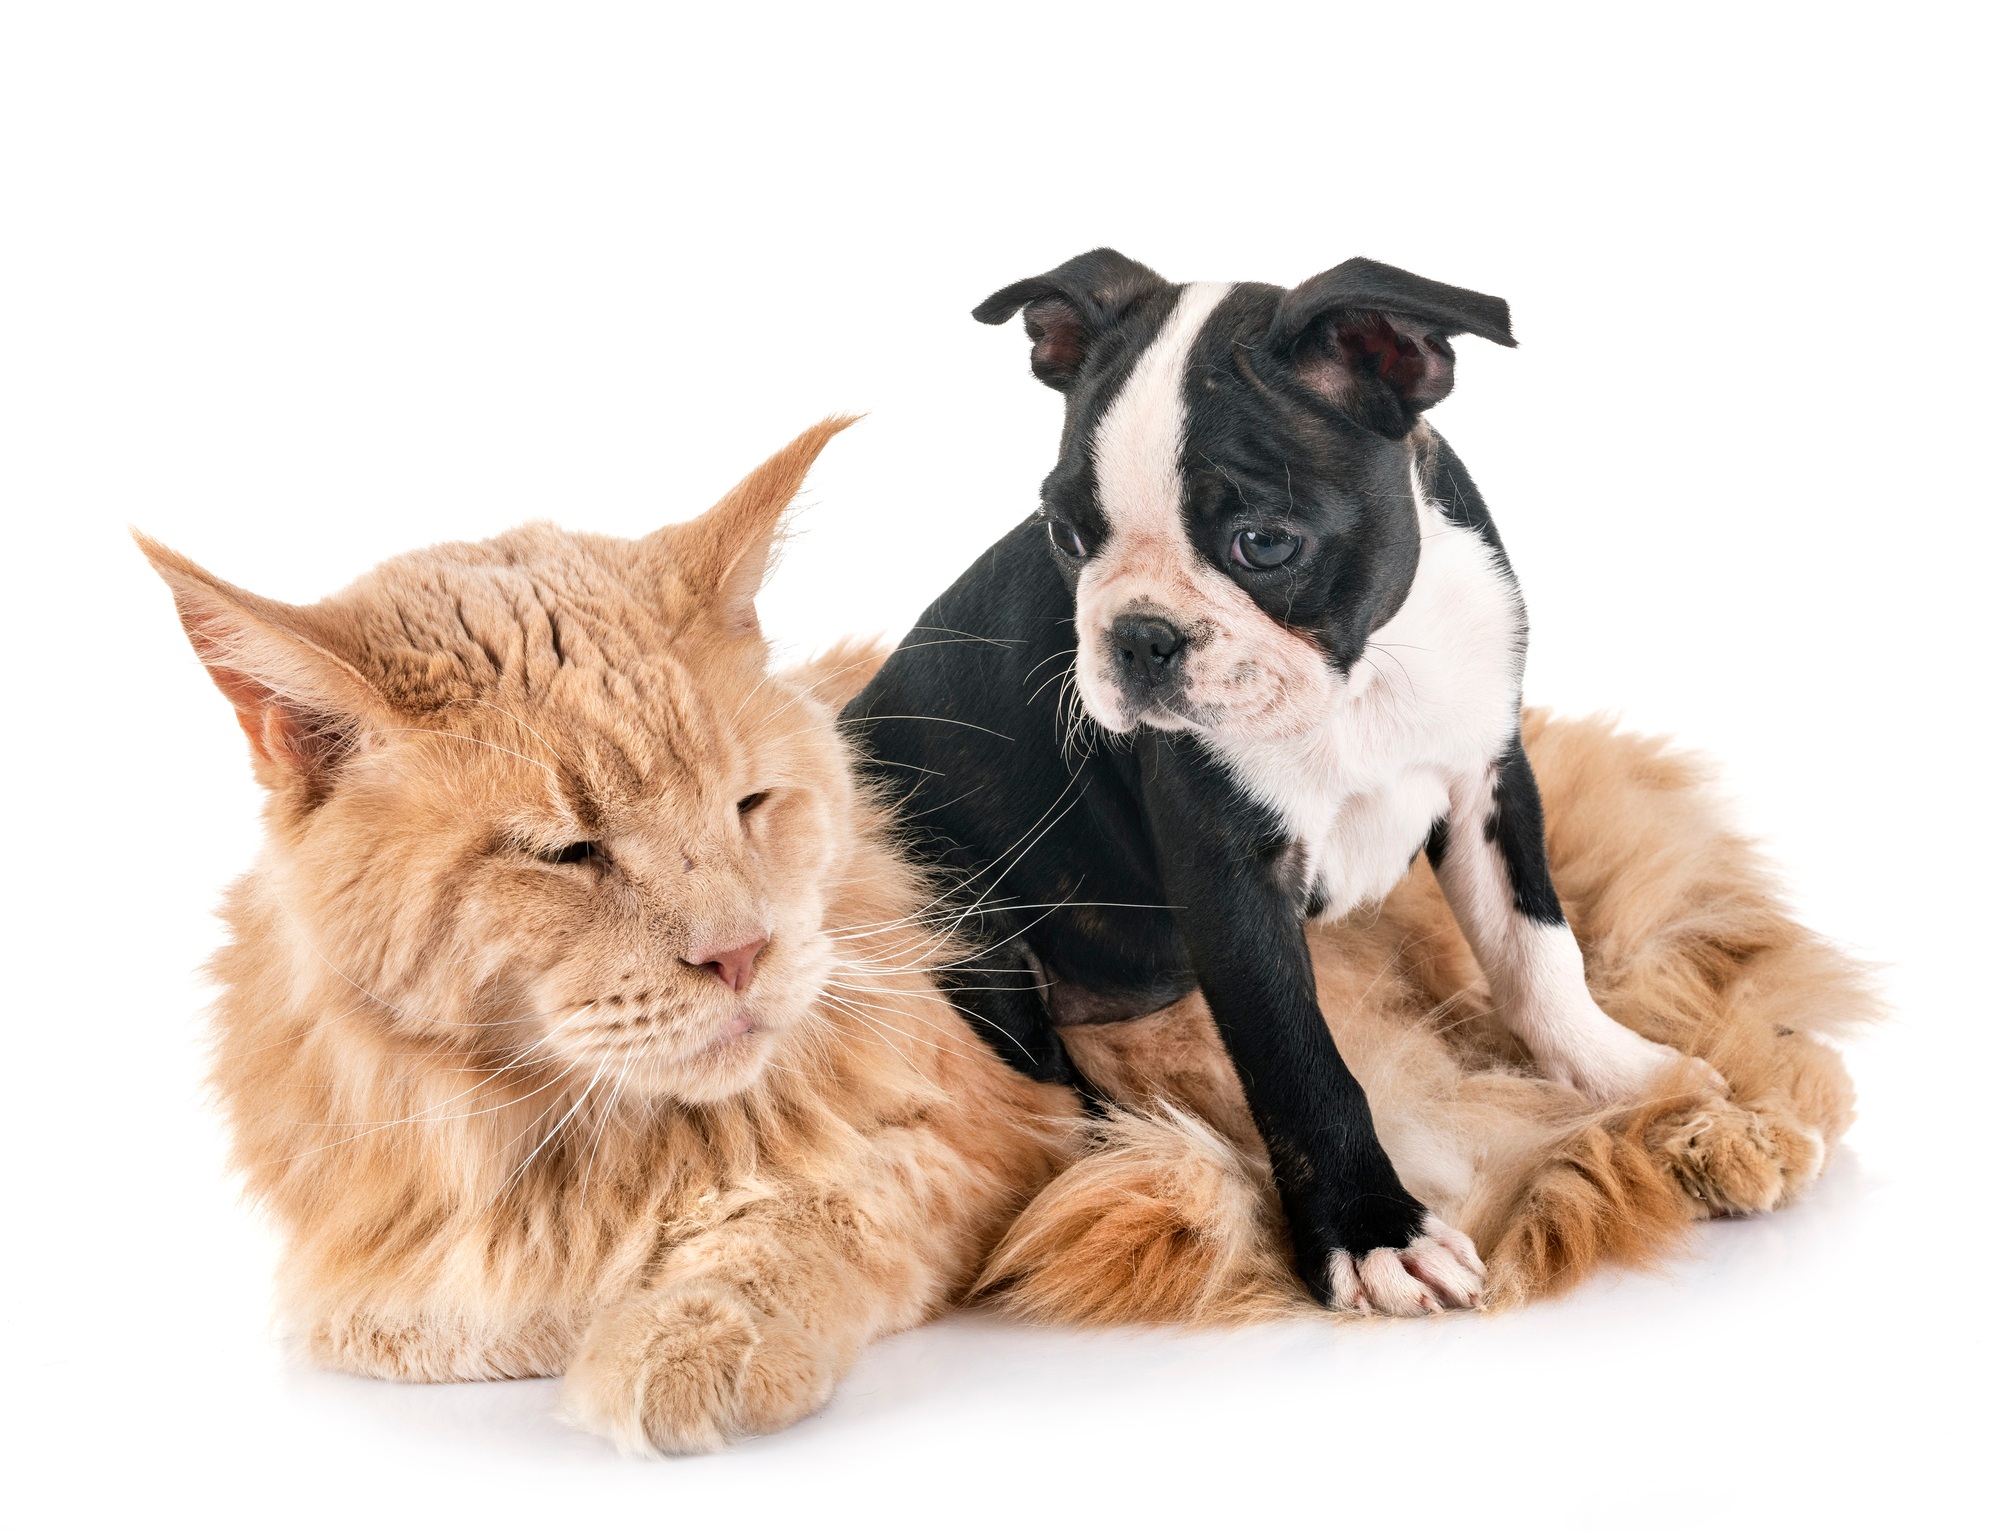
x=575, y=851
x=748, y=806
x=1263, y=550
x=1067, y=540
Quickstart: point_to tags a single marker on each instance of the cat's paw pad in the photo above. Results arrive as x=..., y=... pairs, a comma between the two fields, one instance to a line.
x=1740, y=1159
x=1438, y=1270
x=691, y=1368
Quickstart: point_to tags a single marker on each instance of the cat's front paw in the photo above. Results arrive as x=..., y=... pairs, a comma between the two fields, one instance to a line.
x=691, y=1368
x=1439, y=1269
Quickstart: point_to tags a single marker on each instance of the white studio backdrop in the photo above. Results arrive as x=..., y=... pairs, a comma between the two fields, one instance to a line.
x=296, y=288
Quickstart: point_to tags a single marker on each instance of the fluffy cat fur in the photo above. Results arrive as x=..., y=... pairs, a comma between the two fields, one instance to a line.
x=505, y=1121
x=511, y=1120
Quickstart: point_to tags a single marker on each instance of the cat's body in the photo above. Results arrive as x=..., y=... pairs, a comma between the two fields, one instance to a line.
x=479, y=1040
x=447, y=1219
x=578, y=1017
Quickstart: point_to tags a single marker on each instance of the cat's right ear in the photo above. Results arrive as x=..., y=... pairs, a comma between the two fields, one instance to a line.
x=303, y=708
x=721, y=557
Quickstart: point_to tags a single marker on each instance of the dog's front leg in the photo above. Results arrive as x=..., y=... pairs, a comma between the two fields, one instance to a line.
x=1359, y=1239
x=1492, y=862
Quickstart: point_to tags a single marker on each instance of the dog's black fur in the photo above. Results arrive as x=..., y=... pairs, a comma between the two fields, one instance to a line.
x=1106, y=876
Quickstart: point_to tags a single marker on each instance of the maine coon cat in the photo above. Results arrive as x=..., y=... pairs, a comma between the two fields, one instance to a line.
x=573, y=1020
x=577, y=1017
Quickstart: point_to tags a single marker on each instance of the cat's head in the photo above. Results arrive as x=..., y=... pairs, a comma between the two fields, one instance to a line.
x=540, y=800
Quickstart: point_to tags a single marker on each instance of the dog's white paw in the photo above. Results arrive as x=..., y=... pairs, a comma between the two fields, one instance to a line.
x=1610, y=1063
x=1438, y=1270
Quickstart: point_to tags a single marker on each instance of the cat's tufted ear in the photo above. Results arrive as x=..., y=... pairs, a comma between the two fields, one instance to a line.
x=302, y=707
x=1376, y=342
x=722, y=556
x=1066, y=309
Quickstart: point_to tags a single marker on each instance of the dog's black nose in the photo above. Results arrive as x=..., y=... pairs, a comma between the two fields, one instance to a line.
x=1147, y=647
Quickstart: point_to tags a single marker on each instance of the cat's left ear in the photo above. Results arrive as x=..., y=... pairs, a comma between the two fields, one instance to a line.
x=723, y=555
x=302, y=707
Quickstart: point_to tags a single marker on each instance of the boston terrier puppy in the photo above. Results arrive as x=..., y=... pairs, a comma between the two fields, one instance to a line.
x=1258, y=648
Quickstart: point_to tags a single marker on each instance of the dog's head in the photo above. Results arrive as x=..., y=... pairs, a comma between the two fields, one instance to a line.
x=1233, y=502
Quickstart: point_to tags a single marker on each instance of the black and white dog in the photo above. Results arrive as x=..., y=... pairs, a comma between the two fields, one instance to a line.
x=1258, y=648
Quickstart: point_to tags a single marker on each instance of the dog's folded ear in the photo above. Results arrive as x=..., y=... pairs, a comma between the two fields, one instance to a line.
x=1068, y=308
x=1376, y=342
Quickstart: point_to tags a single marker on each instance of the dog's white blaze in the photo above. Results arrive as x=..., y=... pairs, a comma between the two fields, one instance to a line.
x=1146, y=559
x=1137, y=448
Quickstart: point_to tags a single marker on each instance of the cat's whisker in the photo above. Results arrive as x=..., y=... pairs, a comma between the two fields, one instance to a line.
x=876, y=1028
x=766, y=679
x=424, y=1117
x=960, y=636
x=966, y=911
x=522, y=1169
x=1046, y=910
x=604, y=1115
x=963, y=989
x=484, y=1074
x=981, y=905
x=857, y=1009
x=1046, y=821
x=958, y=723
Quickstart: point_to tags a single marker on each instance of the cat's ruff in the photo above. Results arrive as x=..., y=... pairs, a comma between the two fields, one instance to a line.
x=507, y=1126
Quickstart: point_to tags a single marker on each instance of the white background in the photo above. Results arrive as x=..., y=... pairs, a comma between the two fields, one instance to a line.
x=296, y=288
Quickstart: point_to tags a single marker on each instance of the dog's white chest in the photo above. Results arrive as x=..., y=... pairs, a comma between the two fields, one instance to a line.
x=1358, y=849
x=1428, y=707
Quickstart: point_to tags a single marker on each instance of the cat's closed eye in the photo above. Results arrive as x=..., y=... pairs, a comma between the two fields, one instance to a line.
x=748, y=806
x=575, y=851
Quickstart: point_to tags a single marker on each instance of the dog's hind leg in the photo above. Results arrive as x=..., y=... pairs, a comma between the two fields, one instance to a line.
x=1491, y=861
x=1687, y=942
x=1687, y=937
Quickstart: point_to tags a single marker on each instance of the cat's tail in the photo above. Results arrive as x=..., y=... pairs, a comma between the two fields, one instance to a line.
x=1161, y=1220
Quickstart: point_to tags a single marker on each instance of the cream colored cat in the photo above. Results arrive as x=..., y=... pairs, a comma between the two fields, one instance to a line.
x=576, y=1018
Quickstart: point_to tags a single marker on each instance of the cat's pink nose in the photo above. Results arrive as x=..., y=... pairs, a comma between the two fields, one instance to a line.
x=733, y=965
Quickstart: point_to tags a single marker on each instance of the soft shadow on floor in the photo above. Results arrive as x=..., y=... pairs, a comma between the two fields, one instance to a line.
x=976, y=1362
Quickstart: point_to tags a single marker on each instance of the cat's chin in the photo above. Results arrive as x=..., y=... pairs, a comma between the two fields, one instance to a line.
x=727, y=1066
